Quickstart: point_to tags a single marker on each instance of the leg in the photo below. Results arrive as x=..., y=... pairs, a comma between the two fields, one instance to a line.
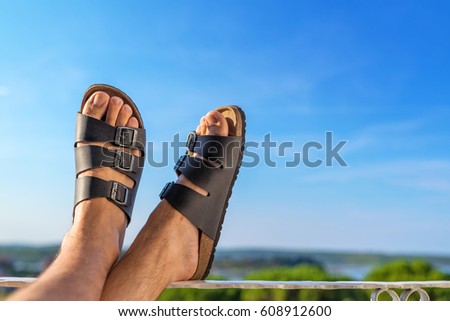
x=166, y=249
x=93, y=243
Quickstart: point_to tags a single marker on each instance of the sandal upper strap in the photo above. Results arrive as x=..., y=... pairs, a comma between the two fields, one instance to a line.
x=219, y=157
x=216, y=149
x=90, y=129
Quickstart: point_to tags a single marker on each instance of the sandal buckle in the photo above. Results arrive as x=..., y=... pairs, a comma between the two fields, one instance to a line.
x=123, y=160
x=191, y=141
x=165, y=189
x=180, y=161
x=119, y=193
x=125, y=136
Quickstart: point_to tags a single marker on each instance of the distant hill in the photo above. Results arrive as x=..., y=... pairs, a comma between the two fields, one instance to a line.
x=236, y=263
x=21, y=260
x=24, y=260
x=28, y=253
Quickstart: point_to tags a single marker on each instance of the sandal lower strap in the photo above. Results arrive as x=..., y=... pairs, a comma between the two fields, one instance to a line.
x=88, y=187
x=194, y=206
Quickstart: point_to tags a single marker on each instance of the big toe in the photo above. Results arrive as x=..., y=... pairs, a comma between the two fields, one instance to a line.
x=213, y=123
x=96, y=105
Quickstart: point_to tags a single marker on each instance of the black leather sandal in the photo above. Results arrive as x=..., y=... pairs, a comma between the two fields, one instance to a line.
x=91, y=130
x=215, y=171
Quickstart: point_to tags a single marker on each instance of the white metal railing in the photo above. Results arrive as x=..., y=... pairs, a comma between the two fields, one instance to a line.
x=407, y=288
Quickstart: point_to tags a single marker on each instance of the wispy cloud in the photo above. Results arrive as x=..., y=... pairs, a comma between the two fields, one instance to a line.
x=379, y=134
x=4, y=90
x=419, y=174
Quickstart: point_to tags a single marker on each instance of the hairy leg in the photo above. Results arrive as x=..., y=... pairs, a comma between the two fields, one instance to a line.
x=166, y=249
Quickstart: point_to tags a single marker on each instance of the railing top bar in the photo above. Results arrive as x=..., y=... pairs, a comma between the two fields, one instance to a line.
x=287, y=285
x=325, y=285
x=14, y=282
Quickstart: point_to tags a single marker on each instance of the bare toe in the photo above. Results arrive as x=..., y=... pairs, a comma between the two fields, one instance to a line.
x=215, y=124
x=124, y=115
x=115, y=105
x=133, y=122
x=96, y=105
x=202, y=127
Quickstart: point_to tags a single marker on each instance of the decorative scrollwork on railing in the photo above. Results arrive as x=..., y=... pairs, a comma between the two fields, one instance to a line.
x=407, y=293
x=376, y=294
x=404, y=296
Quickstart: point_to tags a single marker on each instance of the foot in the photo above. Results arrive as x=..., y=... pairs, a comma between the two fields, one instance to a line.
x=92, y=245
x=215, y=124
x=166, y=249
x=99, y=212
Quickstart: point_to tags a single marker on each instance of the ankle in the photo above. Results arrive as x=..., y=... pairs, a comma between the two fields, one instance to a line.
x=97, y=224
x=99, y=213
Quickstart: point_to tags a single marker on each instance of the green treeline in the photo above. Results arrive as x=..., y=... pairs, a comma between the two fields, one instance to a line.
x=25, y=261
x=398, y=270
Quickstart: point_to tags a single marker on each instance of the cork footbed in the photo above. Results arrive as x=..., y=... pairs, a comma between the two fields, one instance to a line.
x=207, y=246
x=112, y=91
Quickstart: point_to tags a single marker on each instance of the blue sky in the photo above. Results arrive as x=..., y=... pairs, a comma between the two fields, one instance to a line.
x=375, y=74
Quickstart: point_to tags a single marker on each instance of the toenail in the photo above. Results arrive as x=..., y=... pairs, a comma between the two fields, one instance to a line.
x=133, y=122
x=99, y=100
x=116, y=100
x=127, y=109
